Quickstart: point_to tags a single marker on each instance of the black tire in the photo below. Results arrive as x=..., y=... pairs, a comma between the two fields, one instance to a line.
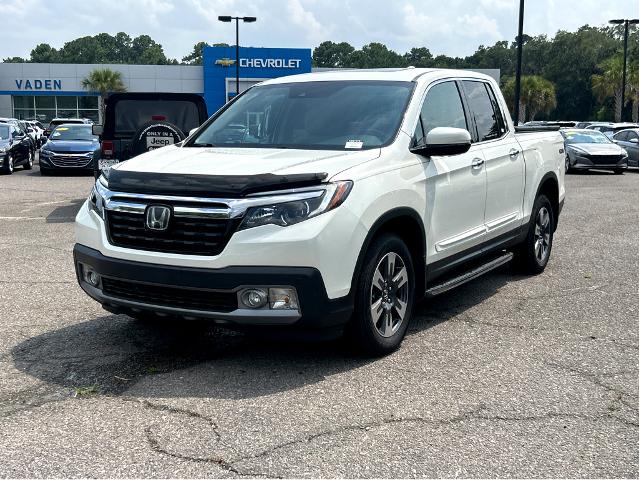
x=30, y=160
x=619, y=171
x=7, y=165
x=45, y=172
x=364, y=333
x=528, y=259
x=567, y=164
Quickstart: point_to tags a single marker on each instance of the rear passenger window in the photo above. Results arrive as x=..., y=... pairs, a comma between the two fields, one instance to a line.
x=622, y=136
x=442, y=108
x=481, y=106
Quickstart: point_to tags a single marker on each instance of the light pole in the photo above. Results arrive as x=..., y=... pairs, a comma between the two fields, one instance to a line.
x=520, y=41
x=625, y=22
x=228, y=18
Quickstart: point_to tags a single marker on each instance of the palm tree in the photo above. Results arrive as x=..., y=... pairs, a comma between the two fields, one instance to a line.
x=537, y=95
x=633, y=90
x=104, y=81
x=608, y=83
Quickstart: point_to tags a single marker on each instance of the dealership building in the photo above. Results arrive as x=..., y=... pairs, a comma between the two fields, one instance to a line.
x=49, y=90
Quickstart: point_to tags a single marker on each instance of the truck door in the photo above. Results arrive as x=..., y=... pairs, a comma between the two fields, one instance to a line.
x=505, y=169
x=456, y=184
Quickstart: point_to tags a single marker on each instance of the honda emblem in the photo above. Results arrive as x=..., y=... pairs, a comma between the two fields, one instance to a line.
x=157, y=217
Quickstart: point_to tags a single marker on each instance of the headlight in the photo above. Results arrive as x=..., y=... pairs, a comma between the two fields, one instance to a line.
x=3, y=150
x=45, y=152
x=624, y=153
x=96, y=199
x=296, y=211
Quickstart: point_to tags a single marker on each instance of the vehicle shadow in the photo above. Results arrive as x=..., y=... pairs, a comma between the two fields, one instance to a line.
x=118, y=354
x=65, y=213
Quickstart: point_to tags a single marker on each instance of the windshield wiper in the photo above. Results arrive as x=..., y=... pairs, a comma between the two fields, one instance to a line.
x=201, y=145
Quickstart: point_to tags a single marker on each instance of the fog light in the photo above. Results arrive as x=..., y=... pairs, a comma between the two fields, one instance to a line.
x=283, y=299
x=91, y=277
x=254, y=298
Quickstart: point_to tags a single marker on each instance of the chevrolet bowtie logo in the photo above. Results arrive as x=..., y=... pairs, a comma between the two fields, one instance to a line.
x=225, y=62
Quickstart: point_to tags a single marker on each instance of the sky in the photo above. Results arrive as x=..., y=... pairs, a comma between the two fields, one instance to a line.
x=450, y=27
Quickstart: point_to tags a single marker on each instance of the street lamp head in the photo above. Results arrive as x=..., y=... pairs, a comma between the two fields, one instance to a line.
x=617, y=22
x=249, y=19
x=634, y=21
x=224, y=18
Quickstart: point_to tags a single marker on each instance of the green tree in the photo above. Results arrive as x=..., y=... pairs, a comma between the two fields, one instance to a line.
x=104, y=81
x=14, y=60
x=376, y=55
x=419, y=57
x=333, y=55
x=196, y=55
x=537, y=96
x=633, y=89
x=44, y=53
x=608, y=83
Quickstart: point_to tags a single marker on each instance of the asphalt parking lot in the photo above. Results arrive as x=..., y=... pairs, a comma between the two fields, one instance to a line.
x=507, y=376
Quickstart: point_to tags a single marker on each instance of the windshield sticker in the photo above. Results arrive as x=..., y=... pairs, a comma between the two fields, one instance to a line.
x=354, y=144
x=62, y=129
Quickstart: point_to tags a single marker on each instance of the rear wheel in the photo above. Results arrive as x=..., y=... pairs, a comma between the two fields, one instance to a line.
x=7, y=166
x=384, y=297
x=619, y=171
x=532, y=255
x=567, y=164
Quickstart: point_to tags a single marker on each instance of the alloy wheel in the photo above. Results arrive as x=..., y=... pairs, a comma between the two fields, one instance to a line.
x=389, y=294
x=10, y=164
x=542, y=235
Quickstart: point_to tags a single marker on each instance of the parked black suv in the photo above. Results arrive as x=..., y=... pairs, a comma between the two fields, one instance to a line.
x=16, y=148
x=135, y=123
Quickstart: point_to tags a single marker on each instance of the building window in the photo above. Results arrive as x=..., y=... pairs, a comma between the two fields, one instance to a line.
x=47, y=107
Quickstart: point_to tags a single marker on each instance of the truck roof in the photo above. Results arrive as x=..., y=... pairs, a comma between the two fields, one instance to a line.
x=408, y=74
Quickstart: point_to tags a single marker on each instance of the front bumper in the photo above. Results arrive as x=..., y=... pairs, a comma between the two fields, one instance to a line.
x=316, y=311
x=47, y=163
x=584, y=163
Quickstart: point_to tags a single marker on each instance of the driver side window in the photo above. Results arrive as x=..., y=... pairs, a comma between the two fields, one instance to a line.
x=442, y=107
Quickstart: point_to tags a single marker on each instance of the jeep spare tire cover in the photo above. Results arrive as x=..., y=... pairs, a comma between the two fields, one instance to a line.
x=155, y=135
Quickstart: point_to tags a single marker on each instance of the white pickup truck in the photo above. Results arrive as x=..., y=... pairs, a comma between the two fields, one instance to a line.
x=326, y=203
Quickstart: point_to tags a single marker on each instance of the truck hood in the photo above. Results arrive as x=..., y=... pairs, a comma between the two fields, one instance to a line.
x=245, y=161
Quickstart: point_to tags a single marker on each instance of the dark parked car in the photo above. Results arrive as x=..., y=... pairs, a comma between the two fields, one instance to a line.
x=586, y=149
x=15, y=148
x=69, y=147
x=609, y=129
x=629, y=140
x=59, y=121
x=138, y=122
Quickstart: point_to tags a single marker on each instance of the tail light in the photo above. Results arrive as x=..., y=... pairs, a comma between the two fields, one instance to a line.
x=158, y=118
x=107, y=148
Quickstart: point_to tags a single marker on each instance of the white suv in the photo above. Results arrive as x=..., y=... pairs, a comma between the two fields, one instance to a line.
x=325, y=203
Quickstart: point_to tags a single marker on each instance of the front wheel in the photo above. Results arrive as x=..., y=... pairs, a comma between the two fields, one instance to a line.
x=532, y=255
x=567, y=164
x=619, y=171
x=384, y=297
x=30, y=160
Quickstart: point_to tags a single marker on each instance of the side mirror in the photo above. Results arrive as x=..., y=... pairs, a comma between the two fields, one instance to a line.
x=444, y=141
x=193, y=130
x=97, y=130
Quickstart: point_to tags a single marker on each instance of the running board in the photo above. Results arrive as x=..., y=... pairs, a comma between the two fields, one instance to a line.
x=469, y=275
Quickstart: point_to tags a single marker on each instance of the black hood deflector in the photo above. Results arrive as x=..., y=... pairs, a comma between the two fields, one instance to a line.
x=191, y=185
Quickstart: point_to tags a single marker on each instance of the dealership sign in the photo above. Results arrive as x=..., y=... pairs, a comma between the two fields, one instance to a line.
x=261, y=62
x=37, y=84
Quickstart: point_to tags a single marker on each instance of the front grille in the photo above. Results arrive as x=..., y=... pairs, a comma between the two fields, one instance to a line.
x=604, y=159
x=61, y=160
x=185, y=235
x=178, y=297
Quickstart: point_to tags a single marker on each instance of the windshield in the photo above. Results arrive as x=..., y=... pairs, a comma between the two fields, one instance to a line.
x=73, y=132
x=585, y=137
x=311, y=115
x=4, y=132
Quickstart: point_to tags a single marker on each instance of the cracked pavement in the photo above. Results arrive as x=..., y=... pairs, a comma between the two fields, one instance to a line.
x=507, y=376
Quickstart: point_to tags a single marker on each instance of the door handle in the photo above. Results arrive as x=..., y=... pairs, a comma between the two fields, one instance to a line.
x=513, y=153
x=477, y=162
